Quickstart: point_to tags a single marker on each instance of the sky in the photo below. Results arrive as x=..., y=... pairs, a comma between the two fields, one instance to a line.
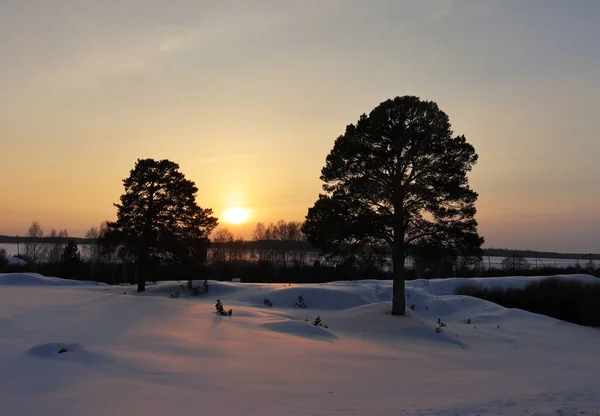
x=249, y=97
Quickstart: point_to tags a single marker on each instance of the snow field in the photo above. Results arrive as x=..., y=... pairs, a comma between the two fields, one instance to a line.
x=153, y=355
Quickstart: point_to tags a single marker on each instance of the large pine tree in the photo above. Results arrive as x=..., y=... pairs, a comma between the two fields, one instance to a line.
x=398, y=178
x=158, y=218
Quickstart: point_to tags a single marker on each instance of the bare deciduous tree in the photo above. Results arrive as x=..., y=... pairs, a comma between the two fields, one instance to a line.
x=260, y=232
x=236, y=253
x=221, y=252
x=93, y=252
x=55, y=246
x=34, y=249
x=279, y=242
x=515, y=263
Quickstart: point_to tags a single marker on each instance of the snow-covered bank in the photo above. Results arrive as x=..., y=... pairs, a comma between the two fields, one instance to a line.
x=15, y=261
x=151, y=354
x=35, y=279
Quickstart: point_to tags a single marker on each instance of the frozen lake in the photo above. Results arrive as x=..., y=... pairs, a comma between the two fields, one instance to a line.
x=11, y=249
x=489, y=261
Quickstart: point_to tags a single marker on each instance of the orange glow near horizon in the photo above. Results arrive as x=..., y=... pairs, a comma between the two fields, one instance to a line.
x=250, y=106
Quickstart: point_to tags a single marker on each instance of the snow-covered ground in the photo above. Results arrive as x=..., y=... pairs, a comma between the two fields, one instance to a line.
x=16, y=261
x=150, y=354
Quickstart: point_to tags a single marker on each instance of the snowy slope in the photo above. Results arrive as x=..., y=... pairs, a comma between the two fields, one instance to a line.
x=153, y=355
x=16, y=261
x=34, y=279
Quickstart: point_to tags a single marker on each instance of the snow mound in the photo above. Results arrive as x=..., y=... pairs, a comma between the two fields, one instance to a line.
x=299, y=328
x=152, y=352
x=325, y=297
x=215, y=288
x=375, y=322
x=66, y=351
x=34, y=279
x=54, y=349
x=266, y=313
x=16, y=261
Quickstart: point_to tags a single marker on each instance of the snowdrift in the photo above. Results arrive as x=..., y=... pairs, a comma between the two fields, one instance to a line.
x=299, y=328
x=152, y=354
x=16, y=261
x=34, y=279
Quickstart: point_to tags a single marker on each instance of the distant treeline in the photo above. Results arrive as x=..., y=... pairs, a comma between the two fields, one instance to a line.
x=305, y=246
x=504, y=252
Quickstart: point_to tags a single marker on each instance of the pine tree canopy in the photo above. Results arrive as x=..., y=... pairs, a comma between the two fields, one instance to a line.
x=158, y=218
x=398, y=179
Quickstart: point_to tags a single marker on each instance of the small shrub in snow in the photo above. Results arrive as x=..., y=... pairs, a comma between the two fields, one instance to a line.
x=440, y=327
x=62, y=350
x=267, y=303
x=221, y=309
x=412, y=307
x=191, y=288
x=318, y=322
x=196, y=290
x=300, y=303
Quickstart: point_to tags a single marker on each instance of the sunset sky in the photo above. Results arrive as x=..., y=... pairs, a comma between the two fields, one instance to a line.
x=249, y=96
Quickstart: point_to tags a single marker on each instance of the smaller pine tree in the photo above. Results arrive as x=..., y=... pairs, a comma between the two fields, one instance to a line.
x=195, y=290
x=300, y=303
x=318, y=322
x=221, y=310
x=219, y=307
x=71, y=252
x=71, y=259
x=440, y=327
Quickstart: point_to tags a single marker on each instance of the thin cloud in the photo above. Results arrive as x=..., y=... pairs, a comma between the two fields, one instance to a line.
x=124, y=55
x=225, y=158
x=440, y=9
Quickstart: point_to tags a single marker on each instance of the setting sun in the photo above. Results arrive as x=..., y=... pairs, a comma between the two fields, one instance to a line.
x=236, y=215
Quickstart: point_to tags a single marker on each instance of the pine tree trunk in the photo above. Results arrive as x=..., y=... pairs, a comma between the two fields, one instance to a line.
x=144, y=259
x=141, y=272
x=141, y=285
x=398, y=297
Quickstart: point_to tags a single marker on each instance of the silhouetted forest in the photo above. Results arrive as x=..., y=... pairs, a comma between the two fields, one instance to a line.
x=305, y=246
